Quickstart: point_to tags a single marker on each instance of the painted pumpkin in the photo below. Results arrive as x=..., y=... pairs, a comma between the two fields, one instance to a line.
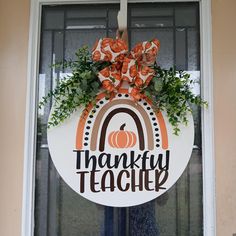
x=122, y=138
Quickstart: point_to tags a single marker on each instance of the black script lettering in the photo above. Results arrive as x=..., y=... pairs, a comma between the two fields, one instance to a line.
x=133, y=160
x=160, y=161
x=92, y=181
x=106, y=158
x=118, y=160
x=88, y=160
x=144, y=160
x=167, y=160
x=123, y=161
x=78, y=158
x=112, y=180
x=119, y=180
x=133, y=181
x=82, y=179
x=159, y=181
x=147, y=181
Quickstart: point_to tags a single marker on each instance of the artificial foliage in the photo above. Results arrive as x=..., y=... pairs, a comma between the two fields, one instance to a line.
x=169, y=90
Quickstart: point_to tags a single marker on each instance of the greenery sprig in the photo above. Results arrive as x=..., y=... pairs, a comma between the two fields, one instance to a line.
x=78, y=89
x=170, y=90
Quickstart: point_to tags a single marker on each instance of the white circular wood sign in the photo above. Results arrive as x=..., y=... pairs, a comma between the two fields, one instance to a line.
x=120, y=153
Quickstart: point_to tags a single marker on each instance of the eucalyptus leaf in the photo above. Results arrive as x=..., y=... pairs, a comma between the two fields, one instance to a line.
x=158, y=85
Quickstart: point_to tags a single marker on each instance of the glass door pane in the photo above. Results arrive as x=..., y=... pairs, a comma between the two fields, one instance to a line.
x=58, y=209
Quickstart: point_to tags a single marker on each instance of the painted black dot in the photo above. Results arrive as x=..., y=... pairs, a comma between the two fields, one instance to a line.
x=155, y=124
x=151, y=113
x=157, y=135
x=87, y=133
x=85, y=144
x=148, y=108
x=91, y=116
x=145, y=104
x=107, y=98
x=89, y=121
x=87, y=127
x=153, y=118
x=101, y=102
x=126, y=95
x=86, y=138
x=156, y=129
x=94, y=111
x=97, y=106
x=157, y=145
x=140, y=100
x=119, y=95
x=158, y=140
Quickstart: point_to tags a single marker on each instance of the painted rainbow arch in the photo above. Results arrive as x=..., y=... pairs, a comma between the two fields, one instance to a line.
x=149, y=143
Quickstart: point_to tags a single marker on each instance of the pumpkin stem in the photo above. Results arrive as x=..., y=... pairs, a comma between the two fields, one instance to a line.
x=122, y=126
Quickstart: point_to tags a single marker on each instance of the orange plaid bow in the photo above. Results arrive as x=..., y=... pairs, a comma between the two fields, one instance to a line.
x=132, y=67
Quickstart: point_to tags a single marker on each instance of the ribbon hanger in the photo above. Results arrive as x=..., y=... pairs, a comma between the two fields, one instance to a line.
x=122, y=21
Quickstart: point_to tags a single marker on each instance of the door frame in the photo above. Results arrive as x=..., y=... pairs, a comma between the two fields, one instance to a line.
x=208, y=157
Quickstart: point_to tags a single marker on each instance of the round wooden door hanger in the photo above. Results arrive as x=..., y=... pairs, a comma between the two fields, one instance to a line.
x=120, y=153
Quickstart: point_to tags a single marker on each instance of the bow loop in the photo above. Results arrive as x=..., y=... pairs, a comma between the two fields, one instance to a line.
x=146, y=52
x=132, y=67
x=108, y=49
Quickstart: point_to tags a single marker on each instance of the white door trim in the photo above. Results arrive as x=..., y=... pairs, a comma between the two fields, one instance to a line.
x=209, y=207
x=31, y=111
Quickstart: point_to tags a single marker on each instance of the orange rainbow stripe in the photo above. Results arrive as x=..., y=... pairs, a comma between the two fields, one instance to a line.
x=82, y=121
x=87, y=110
